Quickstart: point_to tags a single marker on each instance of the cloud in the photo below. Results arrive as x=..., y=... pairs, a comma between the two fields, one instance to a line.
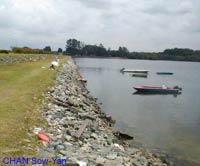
x=175, y=7
x=140, y=25
x=96, y=4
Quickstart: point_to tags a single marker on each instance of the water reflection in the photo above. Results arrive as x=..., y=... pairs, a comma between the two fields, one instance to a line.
x=151, y=94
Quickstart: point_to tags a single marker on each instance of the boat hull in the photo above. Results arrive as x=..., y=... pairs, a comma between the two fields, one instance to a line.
x=157, y=90
x=165, y=73
x=134, y=70
x=144, y=75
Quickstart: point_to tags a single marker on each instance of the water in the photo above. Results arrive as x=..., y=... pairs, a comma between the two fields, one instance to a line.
x=165, y=123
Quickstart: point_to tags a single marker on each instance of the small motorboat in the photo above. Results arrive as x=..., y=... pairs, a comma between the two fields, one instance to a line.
x=164, y=73
x=144, y=75
x=134, y=70
x=158, y=90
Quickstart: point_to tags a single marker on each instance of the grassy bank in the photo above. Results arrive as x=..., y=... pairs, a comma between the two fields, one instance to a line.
x=21, y=89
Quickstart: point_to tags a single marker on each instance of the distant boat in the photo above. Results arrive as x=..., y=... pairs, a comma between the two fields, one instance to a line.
x=165, y=73
x=140, y=75
x=158, y=90
x=134, y=70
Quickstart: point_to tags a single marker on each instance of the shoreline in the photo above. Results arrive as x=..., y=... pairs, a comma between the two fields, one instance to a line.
x=124, y=58
x=81, y=132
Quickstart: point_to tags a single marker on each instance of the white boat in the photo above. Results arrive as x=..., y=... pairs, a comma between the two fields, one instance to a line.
x=134, y=70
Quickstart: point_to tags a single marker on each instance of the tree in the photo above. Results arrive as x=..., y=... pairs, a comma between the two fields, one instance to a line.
x=73, y=46
x=178, y=52
x=123, y=52
x=47, y=48
x=59, y=50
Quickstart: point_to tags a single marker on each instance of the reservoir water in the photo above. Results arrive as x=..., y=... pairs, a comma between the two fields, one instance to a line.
x=162, y=123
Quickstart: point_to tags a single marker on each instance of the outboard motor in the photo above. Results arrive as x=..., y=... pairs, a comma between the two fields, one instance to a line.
x=121, y=70
x=177, y=87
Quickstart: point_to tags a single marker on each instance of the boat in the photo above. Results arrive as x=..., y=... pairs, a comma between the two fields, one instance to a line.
x=158, y=90
x=164, y=73
x=134, y=70
x=140, y=75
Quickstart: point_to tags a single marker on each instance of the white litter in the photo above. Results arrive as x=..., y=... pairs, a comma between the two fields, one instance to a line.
x=119, y=146
x=55, y=63
x=37, y=130
x=82, y=163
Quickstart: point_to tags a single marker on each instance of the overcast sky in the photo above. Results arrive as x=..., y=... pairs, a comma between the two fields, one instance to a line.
x=140, y=25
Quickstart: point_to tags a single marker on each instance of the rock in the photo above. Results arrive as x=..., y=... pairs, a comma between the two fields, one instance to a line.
x=122, y=135
x=110, y=163
x=73, y=101
x=93, y=135
x=111, y=156
x=85, y=148
x=126, y=159
x=110, y=119
x=60, y=147
x=66, y=144
x=87, y=116
x=59, y=136
x=100, y=160
x=68, y=137
x=54, y=144
x=98, y=164
x=64, y=152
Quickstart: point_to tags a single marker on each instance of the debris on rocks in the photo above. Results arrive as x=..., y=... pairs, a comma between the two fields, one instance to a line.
x=43, y=137
x=37, y=130
x=122, y=135
x=81, y=130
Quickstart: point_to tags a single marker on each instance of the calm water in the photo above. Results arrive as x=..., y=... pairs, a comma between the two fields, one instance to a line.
x=166, y=123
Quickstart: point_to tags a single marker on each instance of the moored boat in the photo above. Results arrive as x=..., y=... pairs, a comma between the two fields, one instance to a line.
x=158, y=90
x=134, y=70
x=164, y=73
x=140, y=75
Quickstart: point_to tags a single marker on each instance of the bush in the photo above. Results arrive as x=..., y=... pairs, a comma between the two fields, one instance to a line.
x=26, y=50
x=4, y=51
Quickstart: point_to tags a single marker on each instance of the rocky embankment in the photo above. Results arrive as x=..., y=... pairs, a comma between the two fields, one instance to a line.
x=81, y=132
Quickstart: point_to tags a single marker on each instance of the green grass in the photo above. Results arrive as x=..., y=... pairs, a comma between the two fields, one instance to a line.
x=21, y=88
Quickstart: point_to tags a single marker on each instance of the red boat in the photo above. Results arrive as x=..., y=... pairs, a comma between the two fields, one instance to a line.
x=158, y=90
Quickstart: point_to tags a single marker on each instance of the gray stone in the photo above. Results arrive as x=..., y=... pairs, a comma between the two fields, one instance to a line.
x=110, y=163
x=64, y=152
x=60, y=147
x=93, y=135
x=66, y=144
x=68, y=138
x=100, y=160
x=111, y=156
x=59, y=136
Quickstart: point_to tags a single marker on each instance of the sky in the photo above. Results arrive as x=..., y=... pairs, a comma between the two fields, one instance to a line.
x=139, y=25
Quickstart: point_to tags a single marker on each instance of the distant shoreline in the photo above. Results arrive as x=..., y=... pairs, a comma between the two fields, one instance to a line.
x=105, y=57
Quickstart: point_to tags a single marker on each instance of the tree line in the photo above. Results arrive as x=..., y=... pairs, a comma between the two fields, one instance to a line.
x=75, y=47
x=28, y=50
